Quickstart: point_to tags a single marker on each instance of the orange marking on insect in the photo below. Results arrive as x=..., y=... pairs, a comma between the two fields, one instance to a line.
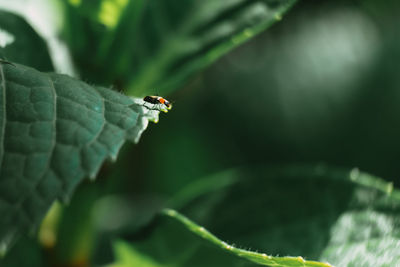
x=156, y=101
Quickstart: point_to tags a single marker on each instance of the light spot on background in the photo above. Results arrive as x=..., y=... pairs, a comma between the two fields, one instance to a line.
x=6, y=38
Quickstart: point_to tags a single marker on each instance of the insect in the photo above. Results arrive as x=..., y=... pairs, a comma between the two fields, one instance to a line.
x=158, y=103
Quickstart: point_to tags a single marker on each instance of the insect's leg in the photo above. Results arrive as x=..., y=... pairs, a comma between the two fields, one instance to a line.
x=146, y=106
x=154, y=107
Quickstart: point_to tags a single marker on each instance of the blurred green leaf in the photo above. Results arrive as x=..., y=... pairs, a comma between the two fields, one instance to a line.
x=318, y=78
x=55, y=130
x=20, y=43
x=197, y=247
x=159, y=44
x=75, y=232
x=26, y=252
x=346, y=218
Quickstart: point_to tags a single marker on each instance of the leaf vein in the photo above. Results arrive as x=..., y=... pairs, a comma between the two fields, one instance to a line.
x=3, y=127
x=103, y=122
x=51, y=151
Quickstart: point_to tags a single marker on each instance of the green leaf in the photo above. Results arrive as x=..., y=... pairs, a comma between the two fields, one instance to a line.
x=20, y=43
x=200, y=248
x=31, y=251
x=367, y=234
x=346, y=218
x=54, y=131
x=160, y=44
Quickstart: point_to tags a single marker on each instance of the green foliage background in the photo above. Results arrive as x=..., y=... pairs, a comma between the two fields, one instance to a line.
x=258, y=161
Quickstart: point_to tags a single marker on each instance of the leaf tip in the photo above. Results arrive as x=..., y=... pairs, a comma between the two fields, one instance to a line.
x=114, y=157
x=150, y=115
x=92, y=176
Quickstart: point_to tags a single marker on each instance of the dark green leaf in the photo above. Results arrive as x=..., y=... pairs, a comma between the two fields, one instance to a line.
x=31, y=251
x=182, y=242
x=346, y=218
x=20, y=43
x=159, y=44
x=54, y=131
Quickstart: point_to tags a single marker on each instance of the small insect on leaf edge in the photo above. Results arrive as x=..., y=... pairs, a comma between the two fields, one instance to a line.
x=159, y=103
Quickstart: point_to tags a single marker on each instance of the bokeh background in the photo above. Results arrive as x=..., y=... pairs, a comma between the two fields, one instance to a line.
x=319, y=86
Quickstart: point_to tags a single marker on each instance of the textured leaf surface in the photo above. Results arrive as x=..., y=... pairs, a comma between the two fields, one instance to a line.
x=20, y=43
x=54, y=131
x=159, y=44
x=346, y=218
